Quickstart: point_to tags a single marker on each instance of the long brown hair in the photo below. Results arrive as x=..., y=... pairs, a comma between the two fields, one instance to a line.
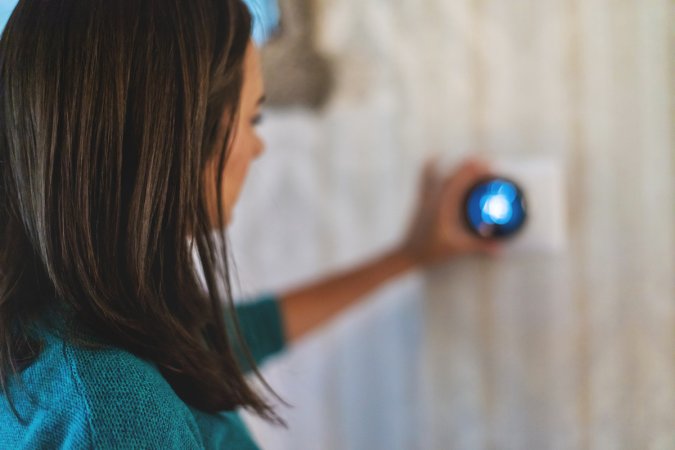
x=109, y=111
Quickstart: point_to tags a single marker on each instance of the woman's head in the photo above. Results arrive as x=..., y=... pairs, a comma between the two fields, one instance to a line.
x=112, y=116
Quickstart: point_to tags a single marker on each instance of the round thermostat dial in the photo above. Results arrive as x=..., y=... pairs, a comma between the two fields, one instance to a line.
x=495, y=208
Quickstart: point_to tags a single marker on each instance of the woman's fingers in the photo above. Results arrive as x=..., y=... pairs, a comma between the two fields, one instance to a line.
x=457, y=185
x=462, y=179
x=438, y=229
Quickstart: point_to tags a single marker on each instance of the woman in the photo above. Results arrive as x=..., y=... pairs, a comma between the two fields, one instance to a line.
x=126, y=131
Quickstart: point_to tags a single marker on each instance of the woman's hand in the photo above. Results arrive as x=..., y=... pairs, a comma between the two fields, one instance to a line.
x=437, y=231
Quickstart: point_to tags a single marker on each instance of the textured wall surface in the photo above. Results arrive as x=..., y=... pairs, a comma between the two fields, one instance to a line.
x=568, y=351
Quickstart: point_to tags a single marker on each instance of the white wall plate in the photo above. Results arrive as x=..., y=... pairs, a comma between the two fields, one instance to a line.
x=543, y=183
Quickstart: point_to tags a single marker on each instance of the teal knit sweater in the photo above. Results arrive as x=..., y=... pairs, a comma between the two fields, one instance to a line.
x=111, y=399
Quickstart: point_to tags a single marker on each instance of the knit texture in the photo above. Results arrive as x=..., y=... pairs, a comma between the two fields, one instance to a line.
x=75, y=398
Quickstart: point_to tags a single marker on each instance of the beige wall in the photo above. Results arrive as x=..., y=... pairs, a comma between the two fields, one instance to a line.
x=574, y=351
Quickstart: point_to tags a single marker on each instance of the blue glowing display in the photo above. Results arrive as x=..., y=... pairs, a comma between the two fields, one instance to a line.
x=495, y=208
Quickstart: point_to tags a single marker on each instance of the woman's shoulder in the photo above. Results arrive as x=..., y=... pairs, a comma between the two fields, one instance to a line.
x=108, y=397
x=129, y=400
x=112, y=372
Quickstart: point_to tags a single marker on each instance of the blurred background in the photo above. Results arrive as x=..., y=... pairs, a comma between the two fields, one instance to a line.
x=570, y=346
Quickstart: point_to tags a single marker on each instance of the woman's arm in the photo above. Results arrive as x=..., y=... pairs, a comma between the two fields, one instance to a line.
x=310, y=306
x=435, y=234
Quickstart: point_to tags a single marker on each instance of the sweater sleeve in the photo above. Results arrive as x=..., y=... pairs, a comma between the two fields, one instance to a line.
x=262, y=328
